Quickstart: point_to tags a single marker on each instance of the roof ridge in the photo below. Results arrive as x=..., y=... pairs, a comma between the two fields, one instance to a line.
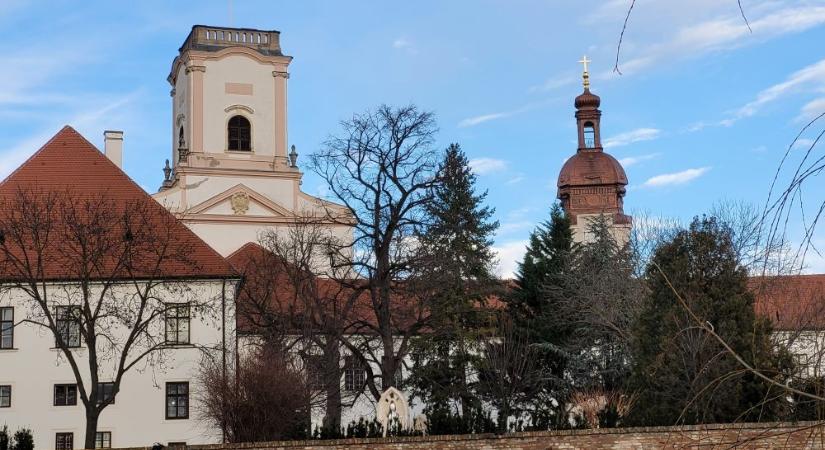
x=70, y=161
x=65, y=128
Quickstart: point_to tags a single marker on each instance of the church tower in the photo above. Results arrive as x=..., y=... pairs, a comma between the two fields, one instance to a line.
x=592, y=182
x=230, y=175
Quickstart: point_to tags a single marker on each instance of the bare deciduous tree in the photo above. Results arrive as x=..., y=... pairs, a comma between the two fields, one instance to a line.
x=94, y=272
x=382, y=168
x=266, y=399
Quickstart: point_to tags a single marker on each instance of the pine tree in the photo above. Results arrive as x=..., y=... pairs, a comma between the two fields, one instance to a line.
x=544, y=265
x=535, y=306
x=681, y=373
x=458, y=245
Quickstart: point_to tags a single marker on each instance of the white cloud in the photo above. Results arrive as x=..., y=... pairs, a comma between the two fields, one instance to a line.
x=87, y=122
x=633, y=160
x=812, y=109
x=553, y=83
x=671, y=179
x=812, y=73
x=803, y=143
x=401, y=43
x=516, y=179
x=706, y=29
x=509, y=255
x=809, y=78
x=629, y=137
x=473, y=121
x=512, y=227
x=484, y=166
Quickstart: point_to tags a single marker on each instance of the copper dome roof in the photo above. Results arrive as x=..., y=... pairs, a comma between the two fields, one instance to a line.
x=589, y=168
x=587, y=100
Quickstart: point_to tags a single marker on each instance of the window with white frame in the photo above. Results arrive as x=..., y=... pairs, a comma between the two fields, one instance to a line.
x=355, y=374
x=177, y=323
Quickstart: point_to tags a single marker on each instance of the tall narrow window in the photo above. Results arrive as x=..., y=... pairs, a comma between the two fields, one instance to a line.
x=177, y=400
x=177, y=323
x=589, y=135
x=68, y=325
x=240, y=133
x=355, y=375
x=181, y=140
x=64, y=441
x=5, y=396
x=7, y=327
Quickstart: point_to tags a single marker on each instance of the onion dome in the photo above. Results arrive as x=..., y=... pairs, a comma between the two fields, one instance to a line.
x=590, y=169
x=588, y=100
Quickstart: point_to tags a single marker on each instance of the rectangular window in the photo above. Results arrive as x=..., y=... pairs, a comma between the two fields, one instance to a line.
x=103, y=439
x=177, y=400
x=355, y=375
x=7, y=327
x=67, y=319
x=314, y=366
x=5, y=396
x=177, y=323
x=106, y=393
x=64, y=441
x=65, y=394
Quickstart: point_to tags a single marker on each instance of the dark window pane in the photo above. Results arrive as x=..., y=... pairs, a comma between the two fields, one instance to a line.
x=177, y=400
x=64, y=441
x=6, y=327
x=5, y=396
x=239, y=134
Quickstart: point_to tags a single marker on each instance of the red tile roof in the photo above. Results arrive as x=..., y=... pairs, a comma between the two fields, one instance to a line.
x=70, y=163
x=267, y=288
x=792, y=302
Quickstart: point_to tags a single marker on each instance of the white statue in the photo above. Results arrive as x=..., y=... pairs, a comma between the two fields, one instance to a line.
x=393, y=408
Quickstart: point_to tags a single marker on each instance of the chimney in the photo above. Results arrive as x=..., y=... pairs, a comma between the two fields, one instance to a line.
x=113, y=146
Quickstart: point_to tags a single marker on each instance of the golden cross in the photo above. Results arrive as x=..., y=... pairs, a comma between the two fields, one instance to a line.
x=584, y=61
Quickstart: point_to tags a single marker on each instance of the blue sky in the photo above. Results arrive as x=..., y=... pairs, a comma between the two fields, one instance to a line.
x=703, y=112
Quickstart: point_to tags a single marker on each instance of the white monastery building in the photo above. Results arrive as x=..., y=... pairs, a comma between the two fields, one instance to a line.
x=232, y=175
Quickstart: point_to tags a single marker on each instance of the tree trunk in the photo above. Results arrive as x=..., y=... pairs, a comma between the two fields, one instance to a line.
x=91, y=428
x=332, y=413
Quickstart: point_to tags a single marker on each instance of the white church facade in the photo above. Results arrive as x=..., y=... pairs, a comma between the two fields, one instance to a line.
x=231, y=175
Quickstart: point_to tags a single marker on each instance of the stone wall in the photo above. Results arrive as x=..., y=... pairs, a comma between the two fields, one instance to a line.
x=802, y=435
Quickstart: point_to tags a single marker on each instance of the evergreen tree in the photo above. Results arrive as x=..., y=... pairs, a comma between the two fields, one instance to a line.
x=602, y=308
x=459, y=271
x=544, y=266
x=682, y=374
x=535, y=305
x=600, y=304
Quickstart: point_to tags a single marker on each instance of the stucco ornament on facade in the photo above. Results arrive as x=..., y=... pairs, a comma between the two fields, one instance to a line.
x=240, y=203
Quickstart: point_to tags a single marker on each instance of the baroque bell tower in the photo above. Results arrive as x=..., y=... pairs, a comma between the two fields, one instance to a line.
x=231, y=176
x=592, y=182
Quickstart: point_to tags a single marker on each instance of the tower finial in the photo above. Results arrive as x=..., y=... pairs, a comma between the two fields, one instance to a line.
x=585, y=74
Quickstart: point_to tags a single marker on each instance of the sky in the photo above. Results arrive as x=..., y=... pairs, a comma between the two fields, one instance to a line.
x=703, y=111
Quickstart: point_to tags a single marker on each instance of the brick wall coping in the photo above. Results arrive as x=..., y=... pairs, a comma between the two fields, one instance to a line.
x=317, y=443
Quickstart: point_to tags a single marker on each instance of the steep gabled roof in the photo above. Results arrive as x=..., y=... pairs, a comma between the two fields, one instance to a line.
x=791, y=302
x=70, y=163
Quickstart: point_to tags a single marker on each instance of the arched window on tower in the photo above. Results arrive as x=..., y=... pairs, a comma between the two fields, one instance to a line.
x=181, y=140
x=240, y=134
x=589, y=135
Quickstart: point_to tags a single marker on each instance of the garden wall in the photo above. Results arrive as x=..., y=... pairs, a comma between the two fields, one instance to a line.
x=803, y=435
